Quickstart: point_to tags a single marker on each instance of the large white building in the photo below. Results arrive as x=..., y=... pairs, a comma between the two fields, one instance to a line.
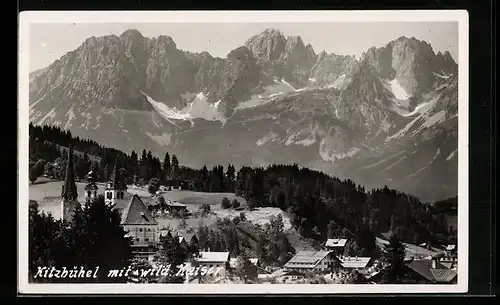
x=218, y=261
x=317, y=261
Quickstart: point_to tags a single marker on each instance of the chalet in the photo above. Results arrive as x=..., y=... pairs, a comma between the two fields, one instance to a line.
x=173, y=185
x=176, y=206
x=427, y=271
x=218, y=261
x=319, y=261
x=336, y=245
x=356, y=263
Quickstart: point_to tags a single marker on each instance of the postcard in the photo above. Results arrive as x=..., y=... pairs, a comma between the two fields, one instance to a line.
x=243, y=152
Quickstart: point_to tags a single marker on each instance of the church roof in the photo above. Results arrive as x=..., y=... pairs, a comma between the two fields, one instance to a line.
x=115, y=177
x=91, y=187
x=136, y=213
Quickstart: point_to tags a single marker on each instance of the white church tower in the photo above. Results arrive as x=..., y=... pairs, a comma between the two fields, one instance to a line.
x=115, y=187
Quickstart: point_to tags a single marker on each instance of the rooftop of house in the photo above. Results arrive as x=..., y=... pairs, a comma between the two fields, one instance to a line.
x=354, y=262
x=336, y=242
x=213, y=257
x=450, y=247
x=233, y=261
x=306, y=259
x=438, y=274
x=136, y=213
x=176, y=204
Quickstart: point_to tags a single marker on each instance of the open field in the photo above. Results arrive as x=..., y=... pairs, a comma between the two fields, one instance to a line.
x=48, y=194
x=411, y=249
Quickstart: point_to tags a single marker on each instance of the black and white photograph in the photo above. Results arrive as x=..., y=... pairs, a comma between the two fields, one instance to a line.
x=243, y=152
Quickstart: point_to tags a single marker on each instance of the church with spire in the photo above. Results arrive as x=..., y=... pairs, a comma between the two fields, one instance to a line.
x=136, y=219
x=115, y=187
x=69, y=195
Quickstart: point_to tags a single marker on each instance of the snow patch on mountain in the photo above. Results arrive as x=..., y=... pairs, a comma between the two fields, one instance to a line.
x=422, y=113
x=398, y=91
x=198, y=108
x=70, y=117
x=443, y=75
x=310, y=140
x=438, y=152
x=277, y=89
x=288, y=84
x=164, y=139
x=267, y=138
x=384, y=160
x=450, y=156
x=329, y=155
x=395, y=163
x=337, y=83
x=49, y=116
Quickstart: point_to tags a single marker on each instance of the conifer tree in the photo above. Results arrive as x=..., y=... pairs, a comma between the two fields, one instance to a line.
x=166, y=167
x=395, y=254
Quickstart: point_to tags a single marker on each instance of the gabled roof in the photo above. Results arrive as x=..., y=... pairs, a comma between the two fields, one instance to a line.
x=136, y=213
x=213, y=257
x=336, y=242
x=443, y=275
x=355, y=262
x=424, y=267
x=306, y=259
x=176, y=204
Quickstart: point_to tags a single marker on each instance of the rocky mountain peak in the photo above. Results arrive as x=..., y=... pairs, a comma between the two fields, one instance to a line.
x=268, y=45
x=131, y=34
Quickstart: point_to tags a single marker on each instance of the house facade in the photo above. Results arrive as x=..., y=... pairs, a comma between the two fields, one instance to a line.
x=173, y=185
x=141, y=227
x=336, y=245
x=316, y=261
x=218, y=262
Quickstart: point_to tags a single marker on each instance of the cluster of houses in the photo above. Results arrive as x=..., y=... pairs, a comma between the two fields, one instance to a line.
x=145, y=233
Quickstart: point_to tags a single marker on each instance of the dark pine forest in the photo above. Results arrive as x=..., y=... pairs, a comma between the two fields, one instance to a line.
x=320, y=206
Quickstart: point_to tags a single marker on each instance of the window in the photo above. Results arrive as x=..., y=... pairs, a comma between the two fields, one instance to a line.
x=146, y=239
x=89, y=193
x=109, y=195
x=140, y=229
x=137, y=239
x=149, y=230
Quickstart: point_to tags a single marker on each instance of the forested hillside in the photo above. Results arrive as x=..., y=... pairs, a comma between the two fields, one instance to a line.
x=319, y=205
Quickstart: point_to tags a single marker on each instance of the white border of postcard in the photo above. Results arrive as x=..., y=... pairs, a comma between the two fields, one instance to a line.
x=33, y=17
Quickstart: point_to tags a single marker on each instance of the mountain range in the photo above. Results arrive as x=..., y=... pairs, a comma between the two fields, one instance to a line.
x=387, y=118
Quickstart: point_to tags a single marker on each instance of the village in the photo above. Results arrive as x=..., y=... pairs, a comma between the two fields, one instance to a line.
x=328, y=264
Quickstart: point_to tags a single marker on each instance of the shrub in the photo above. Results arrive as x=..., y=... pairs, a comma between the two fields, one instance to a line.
x=243, y=217
x=225, y=203
x=154, y=185
x=235, y=204
x=204, y=209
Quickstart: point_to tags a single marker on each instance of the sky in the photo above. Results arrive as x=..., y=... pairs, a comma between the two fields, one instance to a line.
x=48, y=42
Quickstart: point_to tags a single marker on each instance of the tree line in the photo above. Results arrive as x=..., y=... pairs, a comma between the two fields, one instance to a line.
x=320, y=206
